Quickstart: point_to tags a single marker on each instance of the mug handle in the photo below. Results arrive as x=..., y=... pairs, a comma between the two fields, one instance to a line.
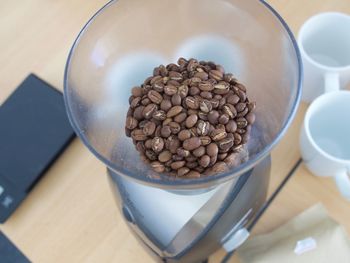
x=342, y=181
x=331, y=82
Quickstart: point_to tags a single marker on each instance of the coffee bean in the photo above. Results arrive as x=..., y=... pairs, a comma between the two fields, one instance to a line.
x=251, y=106
x=174, y=111
x=157, y=144
x=229, y=110
x=148, y=144
x=145, y=101
x=212, y=149
x=193, y=174
x=183, y=91
x=231, y=126
x=182, y=152
x=164, y=156
x=191, y=120
x=140, y=146
x=148, y=111
x=225, y=144
x=205, y=106
x=165, y=131
x=172, y=144
x=205, y=140
x=202, y=115
x=240, y=106
x=204, y=161
x=199, y=151
x=228, y=77
x=192, y=143
x=170, y=90
x=165, y=105
x=221, y=88
x=158, y=86
x=131, y=123
x=180, y=117
x=137, y=91
x=201, y=75
x=215, y=74
x=241, y=87
x=202, y=128
x=158, y=167
x=182, y=171
x=242, y=95
x=135, y=102
x=205, y=86
x=167, y=121
x=224, y=119
x=218, y=134
x=177, y=165
x=184, y=135
x=250, y=117
x=174, y=127
x=206, y=95
x=175, y=75
x=241, y=122
x=192, y=103
x=142, y=123
x=192, y=64
x=155, y=79
x=214, y=103
x=177, y=158
x=159, y=115
x=194, y=91
x=213, y=117
x=182, y=61
x=232, y=160
x=155, y=96
x=149, y=128
x=243, y=113
x=176, y=100
x=240, y=131
x=222, y=156
x=130, y=112
x=173, y=67
x=192, y=164
x=237, y=138
x=138, y=135
x=213, y=160
x=219, y=167
x=151, y=155
x=192, y=112
x=232, y=99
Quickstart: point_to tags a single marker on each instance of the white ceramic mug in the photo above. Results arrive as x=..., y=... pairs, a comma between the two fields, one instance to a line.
x=324, y=42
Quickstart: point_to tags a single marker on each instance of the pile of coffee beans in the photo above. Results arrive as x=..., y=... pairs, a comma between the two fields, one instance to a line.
x=190, y=119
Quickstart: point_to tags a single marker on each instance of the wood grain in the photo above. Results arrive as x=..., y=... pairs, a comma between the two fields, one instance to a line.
x=71, y=216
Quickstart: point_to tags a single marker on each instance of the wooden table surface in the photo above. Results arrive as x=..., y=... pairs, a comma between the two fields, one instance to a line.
x=71, y=215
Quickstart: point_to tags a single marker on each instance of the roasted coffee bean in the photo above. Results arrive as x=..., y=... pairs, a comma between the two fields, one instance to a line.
x=199, y=151
x=192, y=143
x=194, y=91
x=174, y=111
x=218, y=134
x=221, y=88
x=182, y=171
x=192, y=65
x=135, y=102
x=176, y=100
x=228, y=77
x=131, y=123
x=203, y=115
x=216, y=74
x=202, y=128
x=243, y=113
x=205, y=106
x=180, y=117
x=213, y=117
x=205, y=140
x=222, y=156
x=191, y=120
x=138, y=135
x=177, y=165
x=229, y=110
x=182, y=152
x=145, y=101
x=158, y=167
x=182, y=62
x=192, y=164
x=167, y=121
x=212, y=149
x=155, y=96
x=201, y=75
x=225, y=144
x=193, y=174
x=232, y=99
x=219, y=167
x=241, y=122
x=206, y=95
x=172, y=144
x=157, y=132
x=140, y=146
x=159, y=115
x=174, y=127
x=165, y=105
x=204, y=161
x=157, y=144
x=240, y=131
x=173, y=67
x=251, y=106
x=206, y=86
x=148, y=111
x=182, y=91
x=158, y=86
x=237, y=138
x=232, y=159
x=231, y=126
x=155, y=79
x=224, y=119
x=164, y=156
x=250, y=117
x=192, y=103
x=165, y=131
x=170, y=90
x=242, y=95
x=148, y=144
x=149, y=128
x=137, y=91
x=151, y=155
x=130, y=112
x=184, y=135
x=142, y=123
x=177, y=158
x=214, y=103
x=240, y=106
